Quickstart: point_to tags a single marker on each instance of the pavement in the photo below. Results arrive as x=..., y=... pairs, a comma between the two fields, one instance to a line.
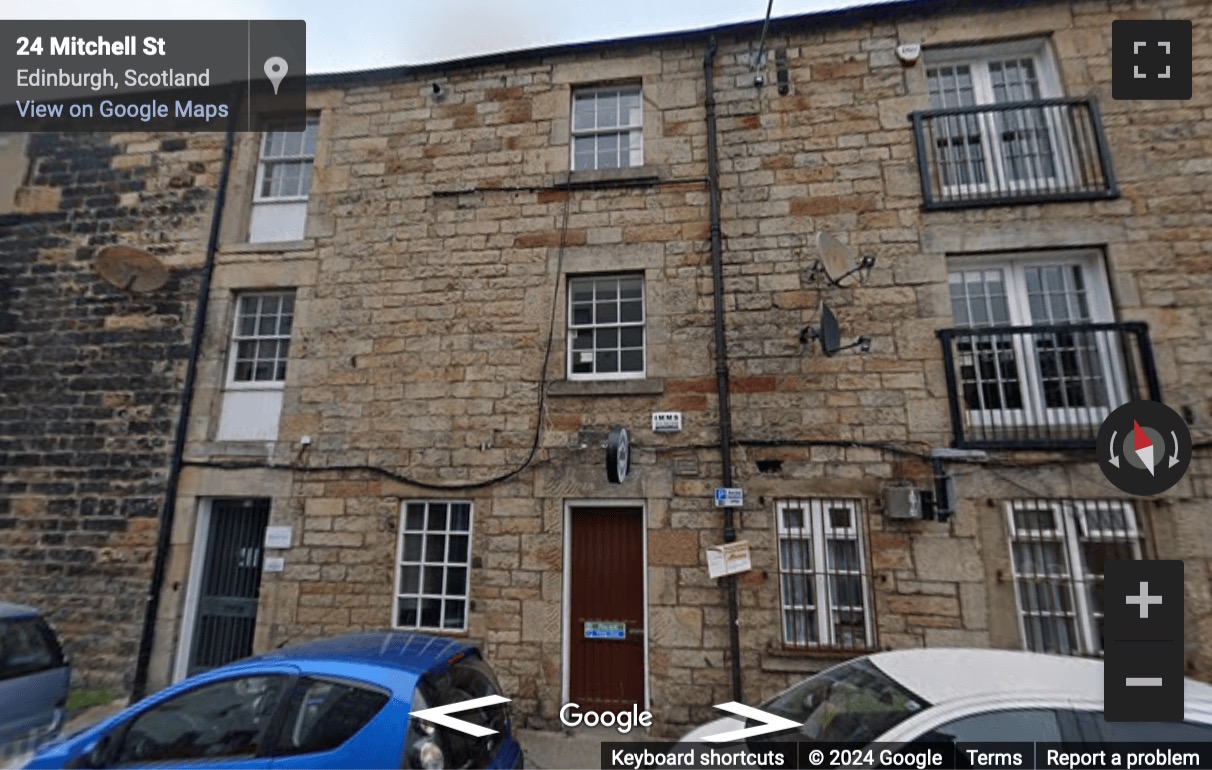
x=579, y=749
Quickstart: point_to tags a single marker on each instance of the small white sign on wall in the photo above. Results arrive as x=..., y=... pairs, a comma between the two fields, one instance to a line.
x=274, y=563
x=728, y=559
x=278, y=537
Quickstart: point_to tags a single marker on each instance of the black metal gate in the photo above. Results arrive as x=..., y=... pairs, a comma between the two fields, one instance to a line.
x=231, y=582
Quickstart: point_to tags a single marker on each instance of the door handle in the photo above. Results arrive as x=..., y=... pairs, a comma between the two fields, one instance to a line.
x=635, y=632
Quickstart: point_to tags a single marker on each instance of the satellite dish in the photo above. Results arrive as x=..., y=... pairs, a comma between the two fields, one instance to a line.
x=830, y=332
x=131, y=269
x=836, y=261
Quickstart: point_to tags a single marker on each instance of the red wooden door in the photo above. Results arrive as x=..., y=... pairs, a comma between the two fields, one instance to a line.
x=607, y=612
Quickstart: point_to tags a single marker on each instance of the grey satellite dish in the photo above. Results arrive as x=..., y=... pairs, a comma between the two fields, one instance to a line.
x=131, y=269
x=836, y=261
x=829, y=333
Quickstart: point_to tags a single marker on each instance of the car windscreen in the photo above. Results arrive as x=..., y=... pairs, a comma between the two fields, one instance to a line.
x=852, y=703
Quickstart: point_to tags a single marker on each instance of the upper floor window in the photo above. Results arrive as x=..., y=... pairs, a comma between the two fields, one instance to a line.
x=999, y=149
x=261, y=339
x=606, y=327
x=607, y=128
x=1068, y=373
x=283, y=183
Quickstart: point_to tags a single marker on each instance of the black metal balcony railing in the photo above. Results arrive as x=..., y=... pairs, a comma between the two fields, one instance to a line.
x=1019, y=152
x=1036, y=387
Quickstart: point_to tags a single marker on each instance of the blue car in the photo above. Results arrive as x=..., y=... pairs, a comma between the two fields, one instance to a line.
x=343, y=702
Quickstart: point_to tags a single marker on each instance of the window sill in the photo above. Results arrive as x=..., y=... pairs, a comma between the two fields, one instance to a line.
x=646, y=387
x=808, y=661
x=232, y=448
x=269, y=247
x=638, y=176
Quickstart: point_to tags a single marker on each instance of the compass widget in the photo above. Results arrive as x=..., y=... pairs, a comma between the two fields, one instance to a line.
x=1144, y=447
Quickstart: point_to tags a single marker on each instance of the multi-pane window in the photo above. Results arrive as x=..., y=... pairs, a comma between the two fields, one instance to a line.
x=995, y=149
x=606, y=327
x=283, y=183
x=286, y=162
x=1051, y=376
x=261, y=339
x=1058, y=549
x=607, y=128
x=824, y=574
x=434, y=566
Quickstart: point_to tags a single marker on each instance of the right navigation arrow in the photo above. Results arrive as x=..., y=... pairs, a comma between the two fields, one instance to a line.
x=770, y=723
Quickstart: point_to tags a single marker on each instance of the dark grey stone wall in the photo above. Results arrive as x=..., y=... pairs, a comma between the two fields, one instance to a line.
x=91, y=377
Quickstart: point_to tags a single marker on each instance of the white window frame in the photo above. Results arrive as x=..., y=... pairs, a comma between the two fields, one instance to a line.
x=424, y=562
x=1072, y=528
x=574, y=330
x=263, y=162
x=1098, y=298
x=634, y=128
x=282, y=218
x=978, y=58
x=236, y=338
x=818, y=531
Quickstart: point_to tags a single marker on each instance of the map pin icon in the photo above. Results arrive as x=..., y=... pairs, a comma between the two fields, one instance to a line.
x=275, y=70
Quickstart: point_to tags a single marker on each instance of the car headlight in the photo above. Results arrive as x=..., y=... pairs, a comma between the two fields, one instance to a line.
x=422, y=750
x=428, y=754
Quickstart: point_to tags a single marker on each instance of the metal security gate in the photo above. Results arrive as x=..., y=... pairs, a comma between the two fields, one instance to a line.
x=231, y=583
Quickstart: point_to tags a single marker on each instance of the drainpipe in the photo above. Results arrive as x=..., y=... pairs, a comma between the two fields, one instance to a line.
x=721, y=361
x=164, y=536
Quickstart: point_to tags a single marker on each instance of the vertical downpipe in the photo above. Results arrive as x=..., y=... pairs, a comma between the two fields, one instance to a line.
x=167, y=514
x=721, y=362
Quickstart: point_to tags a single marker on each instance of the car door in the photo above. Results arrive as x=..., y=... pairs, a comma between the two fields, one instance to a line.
x=33, y=679
x=1195, y=728
x=980, y=732
x=226, y=722
x=1009, y=721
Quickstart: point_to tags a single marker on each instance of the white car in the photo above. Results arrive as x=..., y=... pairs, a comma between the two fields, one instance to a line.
x=965, y=695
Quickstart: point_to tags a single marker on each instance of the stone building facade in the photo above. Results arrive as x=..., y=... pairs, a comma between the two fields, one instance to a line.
x=430, y=311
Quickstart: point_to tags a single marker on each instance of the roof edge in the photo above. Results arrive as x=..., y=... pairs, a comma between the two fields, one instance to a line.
x=850, y=14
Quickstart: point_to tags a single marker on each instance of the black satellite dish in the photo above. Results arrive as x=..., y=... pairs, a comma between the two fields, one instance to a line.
x=830, y=334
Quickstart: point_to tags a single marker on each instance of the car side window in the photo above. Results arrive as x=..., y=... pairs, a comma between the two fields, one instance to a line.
x=1154, y=732
x=221, y=719
x=323, y=714
x=27, y=646
x=1008, y=725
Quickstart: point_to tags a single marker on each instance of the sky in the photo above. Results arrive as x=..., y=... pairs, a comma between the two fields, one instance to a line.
x=365, y=34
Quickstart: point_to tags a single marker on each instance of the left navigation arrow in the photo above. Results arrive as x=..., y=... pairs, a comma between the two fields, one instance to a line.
x=439, y=714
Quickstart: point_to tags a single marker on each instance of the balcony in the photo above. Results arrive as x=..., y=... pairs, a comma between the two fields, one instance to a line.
x=1043, y=387
x=1013, y=153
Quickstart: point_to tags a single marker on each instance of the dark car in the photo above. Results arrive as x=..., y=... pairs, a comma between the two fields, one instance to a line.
x=342, y=702
x=34, y=678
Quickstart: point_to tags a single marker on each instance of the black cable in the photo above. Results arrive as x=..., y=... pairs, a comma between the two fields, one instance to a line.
x=542, y=404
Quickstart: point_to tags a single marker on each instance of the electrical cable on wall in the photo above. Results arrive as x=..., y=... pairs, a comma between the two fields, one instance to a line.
x=541, y=409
